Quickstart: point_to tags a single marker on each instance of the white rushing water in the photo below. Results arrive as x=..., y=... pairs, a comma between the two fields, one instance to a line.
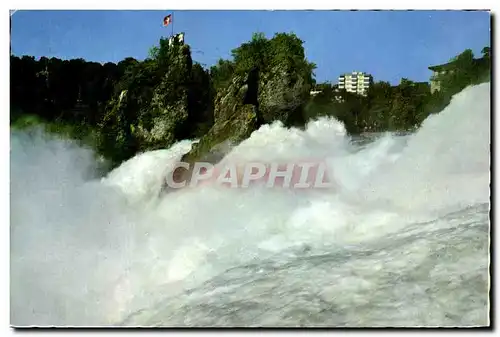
x=402, y=241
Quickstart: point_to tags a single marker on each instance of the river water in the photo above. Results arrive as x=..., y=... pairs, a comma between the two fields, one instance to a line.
x=402, y=241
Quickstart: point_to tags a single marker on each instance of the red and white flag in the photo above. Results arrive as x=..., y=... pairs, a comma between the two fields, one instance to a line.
x=167, y=20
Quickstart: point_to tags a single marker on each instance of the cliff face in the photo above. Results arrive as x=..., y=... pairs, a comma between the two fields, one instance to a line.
x=245, y=104
x=283, y=94
x=234, y=120
x=162, y=122
x=152, y=110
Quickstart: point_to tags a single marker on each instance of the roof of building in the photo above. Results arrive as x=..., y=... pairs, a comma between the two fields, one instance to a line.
x=445, y=66
x=362, y=73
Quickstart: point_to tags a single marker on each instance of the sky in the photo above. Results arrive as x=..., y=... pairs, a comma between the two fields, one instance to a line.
x=389, y=45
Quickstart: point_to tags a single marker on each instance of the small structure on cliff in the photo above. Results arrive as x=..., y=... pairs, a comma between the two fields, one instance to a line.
x=179, y=38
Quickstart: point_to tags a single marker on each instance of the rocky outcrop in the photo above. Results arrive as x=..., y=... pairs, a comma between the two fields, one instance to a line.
x=282, y=95
x=248, y=102
x=166, y=99
x=159, y=125
x=234, y=121
x=152, y=111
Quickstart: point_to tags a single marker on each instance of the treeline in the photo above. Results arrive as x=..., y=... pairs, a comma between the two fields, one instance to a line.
x=117, y=103
x=52, y=88
x=405, y=106
x=137, y=106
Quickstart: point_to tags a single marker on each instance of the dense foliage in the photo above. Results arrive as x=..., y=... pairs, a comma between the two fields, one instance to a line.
x=402, y=107
x=136, y=105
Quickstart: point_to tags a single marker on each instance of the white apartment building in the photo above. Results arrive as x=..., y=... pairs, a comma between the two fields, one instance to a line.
x=356, y=82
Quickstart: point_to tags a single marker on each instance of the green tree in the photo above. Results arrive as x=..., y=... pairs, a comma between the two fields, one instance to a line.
x=221, y=74
x=252, y=55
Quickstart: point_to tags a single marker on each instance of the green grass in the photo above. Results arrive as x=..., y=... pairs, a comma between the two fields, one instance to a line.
x=81, y=133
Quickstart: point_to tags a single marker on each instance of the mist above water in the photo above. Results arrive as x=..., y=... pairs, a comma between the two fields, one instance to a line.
x=88, y=251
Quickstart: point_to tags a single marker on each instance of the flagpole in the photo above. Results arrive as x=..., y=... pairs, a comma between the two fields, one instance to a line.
x=172, y=23
x=10, y=35
x=11, y=12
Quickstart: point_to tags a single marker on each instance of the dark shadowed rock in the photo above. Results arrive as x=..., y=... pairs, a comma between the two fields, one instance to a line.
x=282, y=95
x=234, y=121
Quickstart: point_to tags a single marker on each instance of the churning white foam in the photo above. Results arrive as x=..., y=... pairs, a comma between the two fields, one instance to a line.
x=90, y=252
x=446, y=164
